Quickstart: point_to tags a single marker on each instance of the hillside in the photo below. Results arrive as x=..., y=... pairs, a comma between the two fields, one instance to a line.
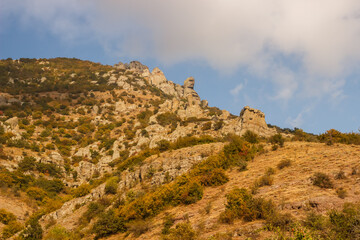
x=93, y=151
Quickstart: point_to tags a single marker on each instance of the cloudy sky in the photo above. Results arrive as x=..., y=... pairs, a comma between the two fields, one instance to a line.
x=296, y=60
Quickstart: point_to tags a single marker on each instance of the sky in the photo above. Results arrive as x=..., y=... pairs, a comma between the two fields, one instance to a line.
x=298, y=61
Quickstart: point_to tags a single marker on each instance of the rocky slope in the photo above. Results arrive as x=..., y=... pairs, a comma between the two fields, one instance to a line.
x=81, y=143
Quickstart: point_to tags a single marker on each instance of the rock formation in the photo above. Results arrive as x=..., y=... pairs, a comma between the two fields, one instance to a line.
x=254, y=120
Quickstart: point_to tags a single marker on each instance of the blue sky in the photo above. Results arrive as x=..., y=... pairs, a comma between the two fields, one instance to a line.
x=296, y=60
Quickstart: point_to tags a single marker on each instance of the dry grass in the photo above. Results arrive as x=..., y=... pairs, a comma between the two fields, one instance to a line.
x=292, y=189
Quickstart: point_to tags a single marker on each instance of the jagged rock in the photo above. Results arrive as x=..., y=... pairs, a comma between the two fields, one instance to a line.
x=157, y=77
x=120, y=66
x=204, y=103
x=191, y=111
x=85, y=170
x=189, y=92
x=95, y=109
x=146, y=73
x=189, y=83
x=69, y=207
x=137, y=66
x=85, y=151
x=56, y=158
x=254, y=120
x=121, y=106
x=13, y=122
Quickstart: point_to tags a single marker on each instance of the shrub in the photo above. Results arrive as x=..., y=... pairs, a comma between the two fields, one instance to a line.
x=206, y=126
x=111, y=185
x=284, y=163
x=10, y=229
x=279, y=220
x=345, y=224
x=243, y=205
x=227, y=217
x=167, y=118
x=340, y=175
x=191, y=193
x=341, y=192
x=277, y=139
x=27, y=164
x=82, y=190
x=33, y=231
x=315, y=221
x=138, y=227
x=6, y=217
x=215, y=177
x=322, y=180
x=218, y=125
x=163, y=145
x=36, y=193
x=182, y=231
x=59, y=233
x=108, y=224
x=93, y=209
x=168, y=221
x=251, y=137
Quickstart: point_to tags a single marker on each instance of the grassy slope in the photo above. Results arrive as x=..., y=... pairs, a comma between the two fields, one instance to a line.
x=292, y=189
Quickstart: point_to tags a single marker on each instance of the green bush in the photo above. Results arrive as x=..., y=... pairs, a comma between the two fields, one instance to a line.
x=93, y=209
x=6, y=217
x=206, y=126
x=191, y=192
x=60, y=233
x=36, y=193
x=341, y=192
x=251, y=137
x=243, y=205
x=33, y=231
x=315, y=221
x=27, y=164
x=345, y=224
x=111, y=185
x=81, y=191
x=138, y=227
x=168, y=222
x=164, y=145
x=218, y=125
x=277, y=139
x=182, y=231
x=322, y=180
x=215, y=177
x=284, y=163
x=10, y=229
x=108, y=224
x=167, y=118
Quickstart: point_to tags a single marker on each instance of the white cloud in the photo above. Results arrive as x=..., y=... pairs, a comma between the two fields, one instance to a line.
x=235, y=92
x=299, y=119
x=322, y=35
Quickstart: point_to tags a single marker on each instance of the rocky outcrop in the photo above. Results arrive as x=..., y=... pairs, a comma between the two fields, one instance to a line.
x=167, y=166
x=254, y=120
x=189, y=92
x=133, y=65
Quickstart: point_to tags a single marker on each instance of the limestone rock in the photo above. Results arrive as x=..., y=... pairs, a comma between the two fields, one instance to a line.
x=189, y=83
x=189, y=92
x=13, y=122
x=254, y=120
x=136, y=65
x=157, y=77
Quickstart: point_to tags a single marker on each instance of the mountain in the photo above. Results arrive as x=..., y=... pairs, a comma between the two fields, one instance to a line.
x=91, y=151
